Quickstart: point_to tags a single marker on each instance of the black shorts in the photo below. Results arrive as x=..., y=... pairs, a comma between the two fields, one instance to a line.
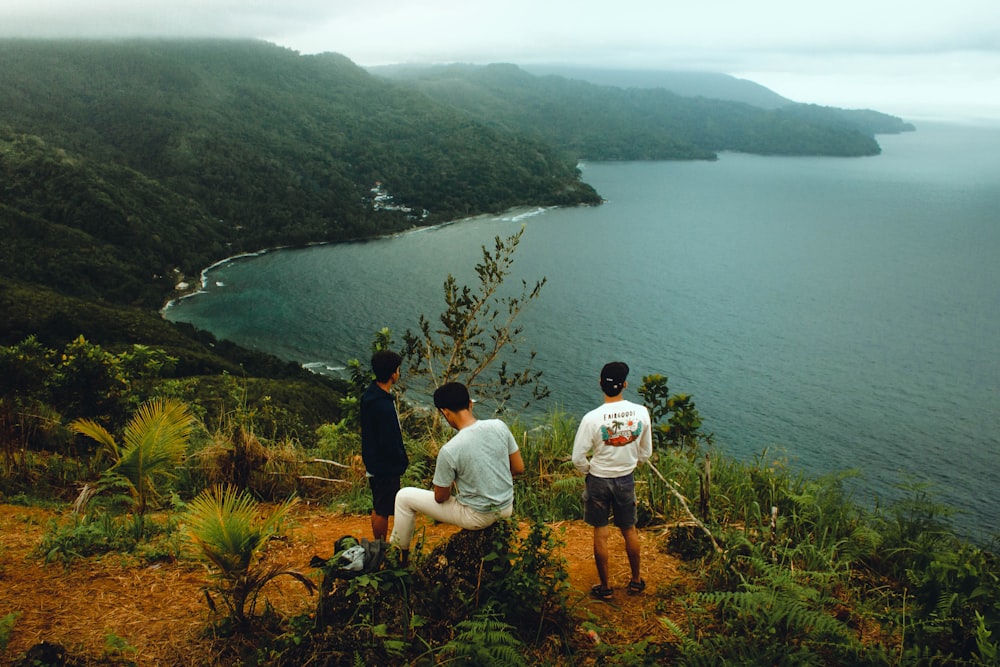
x=603, y=497
x=384, y=494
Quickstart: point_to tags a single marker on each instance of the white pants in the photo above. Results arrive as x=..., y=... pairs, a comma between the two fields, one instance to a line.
x=411, y=500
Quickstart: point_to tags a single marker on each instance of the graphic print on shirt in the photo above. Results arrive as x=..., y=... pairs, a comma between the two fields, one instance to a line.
x=621, y=430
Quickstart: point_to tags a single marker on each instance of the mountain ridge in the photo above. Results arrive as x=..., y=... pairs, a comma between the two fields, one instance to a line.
x=687, y=83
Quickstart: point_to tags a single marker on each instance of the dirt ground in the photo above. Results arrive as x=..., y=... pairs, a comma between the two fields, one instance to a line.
x=160, y=614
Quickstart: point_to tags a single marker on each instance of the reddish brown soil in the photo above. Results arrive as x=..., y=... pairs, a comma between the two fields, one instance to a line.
x=161, y=612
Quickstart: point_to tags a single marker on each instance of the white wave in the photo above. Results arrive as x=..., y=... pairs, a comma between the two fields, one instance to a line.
x=523, y=215
x=227, y=260
x=170, y=304
x=323, y=367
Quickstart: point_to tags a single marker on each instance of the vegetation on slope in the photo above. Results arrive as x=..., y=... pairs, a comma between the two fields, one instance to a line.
x=287, y=146
x=128, y=166
x=781, y=568
x=610, y=123
x=713, y=85
x=96, y=230
x=196, y=150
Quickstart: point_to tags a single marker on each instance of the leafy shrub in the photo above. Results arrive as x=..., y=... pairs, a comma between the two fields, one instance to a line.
x=530, y=583
x=100, y=532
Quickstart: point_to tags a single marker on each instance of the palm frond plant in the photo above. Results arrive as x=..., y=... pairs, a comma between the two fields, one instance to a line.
x=230, y=530
x=152, y=447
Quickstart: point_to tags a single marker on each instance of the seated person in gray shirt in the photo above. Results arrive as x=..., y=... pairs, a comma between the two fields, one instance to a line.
x=480, y=461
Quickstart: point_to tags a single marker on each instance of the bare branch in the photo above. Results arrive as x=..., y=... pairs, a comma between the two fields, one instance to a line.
x=680, y=497
x=333, y=463
x=325, y=479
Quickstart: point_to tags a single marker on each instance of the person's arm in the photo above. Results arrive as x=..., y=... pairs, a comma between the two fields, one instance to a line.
x=581, y=447
x=441, y=493
x=516, y=463
x=445, y=476
x=646, y=442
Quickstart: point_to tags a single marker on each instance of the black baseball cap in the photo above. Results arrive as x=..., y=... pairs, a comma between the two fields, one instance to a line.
x=613, y=377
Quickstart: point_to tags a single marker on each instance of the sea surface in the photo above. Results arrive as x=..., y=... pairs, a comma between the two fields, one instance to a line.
x=840, y=313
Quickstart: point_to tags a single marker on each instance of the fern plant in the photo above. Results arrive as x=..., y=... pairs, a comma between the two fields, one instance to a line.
x=777, y=616
x=485, y=640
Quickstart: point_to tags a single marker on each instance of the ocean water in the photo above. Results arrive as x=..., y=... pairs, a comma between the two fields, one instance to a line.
x=840, y=313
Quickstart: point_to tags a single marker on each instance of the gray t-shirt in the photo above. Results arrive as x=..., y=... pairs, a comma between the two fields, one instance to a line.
x=478, y=460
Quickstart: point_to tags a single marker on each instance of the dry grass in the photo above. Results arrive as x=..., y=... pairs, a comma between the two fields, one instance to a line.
x=160, y=610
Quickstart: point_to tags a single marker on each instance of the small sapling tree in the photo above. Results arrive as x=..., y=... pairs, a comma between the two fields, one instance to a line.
x=477, y=331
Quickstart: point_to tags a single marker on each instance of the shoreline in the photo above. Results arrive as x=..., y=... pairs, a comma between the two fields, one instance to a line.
x=193, y=289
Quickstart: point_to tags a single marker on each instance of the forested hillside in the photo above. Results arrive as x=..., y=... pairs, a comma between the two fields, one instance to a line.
x=95, y=229
x=128, y=166
x=717, y=86
x=197, y=150
x=598, y=122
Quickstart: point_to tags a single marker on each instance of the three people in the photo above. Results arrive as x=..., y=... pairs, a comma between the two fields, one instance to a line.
x=382, y=447
x=617, y=437
x=473, y=483
x=479, y=463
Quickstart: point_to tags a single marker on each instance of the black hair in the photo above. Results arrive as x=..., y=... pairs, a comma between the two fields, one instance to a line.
x=384, y=364
x=451, y=396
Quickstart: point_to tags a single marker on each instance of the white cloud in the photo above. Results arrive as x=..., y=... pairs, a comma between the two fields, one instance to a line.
x=851, y=53
x=170, y=18
x=963, y=83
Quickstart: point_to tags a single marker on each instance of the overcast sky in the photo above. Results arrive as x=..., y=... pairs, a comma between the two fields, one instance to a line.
x=915, y=59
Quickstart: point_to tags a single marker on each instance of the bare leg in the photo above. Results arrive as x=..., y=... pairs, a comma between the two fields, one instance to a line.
x=631, y=536
x=601, y=554
x=380, y=526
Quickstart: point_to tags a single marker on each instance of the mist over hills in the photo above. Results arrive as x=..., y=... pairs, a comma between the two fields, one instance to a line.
x=714, y=85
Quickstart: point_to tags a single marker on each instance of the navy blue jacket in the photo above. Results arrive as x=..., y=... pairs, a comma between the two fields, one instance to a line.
x=381, y=438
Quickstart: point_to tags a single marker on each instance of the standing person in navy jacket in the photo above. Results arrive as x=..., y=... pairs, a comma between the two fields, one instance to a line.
x=382, y=447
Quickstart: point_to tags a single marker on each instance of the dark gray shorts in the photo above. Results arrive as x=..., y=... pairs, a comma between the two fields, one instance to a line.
x=603, y=497
x=384, y=494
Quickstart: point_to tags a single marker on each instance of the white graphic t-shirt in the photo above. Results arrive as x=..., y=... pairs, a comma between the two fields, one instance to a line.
x=618, y=437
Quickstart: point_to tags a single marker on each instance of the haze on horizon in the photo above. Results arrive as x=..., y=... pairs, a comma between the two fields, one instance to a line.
x=915, y=60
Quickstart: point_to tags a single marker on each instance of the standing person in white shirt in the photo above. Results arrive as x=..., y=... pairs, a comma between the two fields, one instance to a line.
x=617, y=436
